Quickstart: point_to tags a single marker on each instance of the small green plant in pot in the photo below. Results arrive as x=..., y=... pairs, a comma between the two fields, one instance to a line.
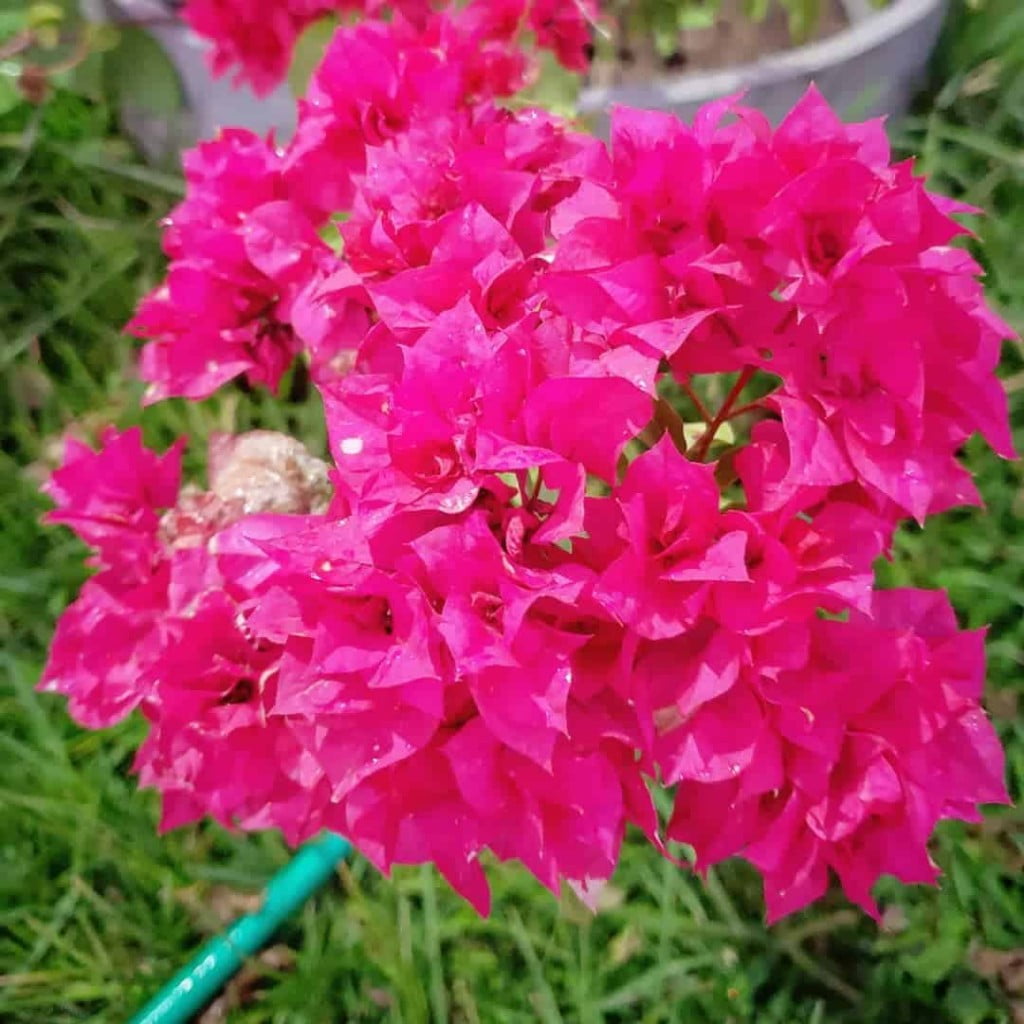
x=671, y=35
x=866, y=56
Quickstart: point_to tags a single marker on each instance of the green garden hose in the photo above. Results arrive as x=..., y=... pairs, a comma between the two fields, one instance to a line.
x=215, y=964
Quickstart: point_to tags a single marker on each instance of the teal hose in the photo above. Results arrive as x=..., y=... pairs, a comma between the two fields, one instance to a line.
x=216, y=963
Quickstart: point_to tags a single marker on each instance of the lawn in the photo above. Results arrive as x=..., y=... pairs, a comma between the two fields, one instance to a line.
x=96, y=909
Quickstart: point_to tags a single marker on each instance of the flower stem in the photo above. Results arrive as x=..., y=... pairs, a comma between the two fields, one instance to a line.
x=702, y=410
x=700, y=449
x=748, y=407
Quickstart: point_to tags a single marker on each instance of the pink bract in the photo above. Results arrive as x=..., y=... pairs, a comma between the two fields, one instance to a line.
x=255, y=41
x=523, y=591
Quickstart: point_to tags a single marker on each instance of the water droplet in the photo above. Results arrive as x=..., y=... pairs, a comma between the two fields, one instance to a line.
x=351, y=445
x=325, y=566
x=734, y=769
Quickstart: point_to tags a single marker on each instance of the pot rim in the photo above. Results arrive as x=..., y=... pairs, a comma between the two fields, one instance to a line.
x=804, y=61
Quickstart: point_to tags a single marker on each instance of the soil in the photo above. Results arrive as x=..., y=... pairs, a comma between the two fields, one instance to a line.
x=733, y=39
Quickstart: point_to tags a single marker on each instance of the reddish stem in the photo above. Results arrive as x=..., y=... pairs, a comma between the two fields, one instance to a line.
x=700, y=449
x=749, y=407
x=702, y=409
x=16, y=44
x=535, y=491
x=81, y=51
x=523, y=483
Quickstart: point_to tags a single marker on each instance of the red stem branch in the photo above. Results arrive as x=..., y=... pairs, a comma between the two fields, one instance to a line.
x=702, y=409
x=16, y=44
x=700, y=449
x=749, y=407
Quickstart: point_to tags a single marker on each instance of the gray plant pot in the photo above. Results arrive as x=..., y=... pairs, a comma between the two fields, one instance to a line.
x=870, y=68
x=210, y=103
x=216, y=103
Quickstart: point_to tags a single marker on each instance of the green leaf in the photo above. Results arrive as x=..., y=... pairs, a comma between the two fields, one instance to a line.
x=968, y=1002
x=666, y=41
x=804, y=16
x=102, y=36
x=697, y=17
x=695, y=431
x=308, y=52
x=941, y=955
x=11, y=23
x=40, y=14
x=138, y=74
x=9, y=95
x=555, y=88
x=85, y=78
x=331, y=234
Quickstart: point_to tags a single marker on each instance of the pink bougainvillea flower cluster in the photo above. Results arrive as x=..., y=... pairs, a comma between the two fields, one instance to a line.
x=523, y=592
x=255, y=39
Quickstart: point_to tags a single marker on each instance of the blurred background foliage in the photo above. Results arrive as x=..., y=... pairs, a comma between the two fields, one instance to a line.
x=96, y=910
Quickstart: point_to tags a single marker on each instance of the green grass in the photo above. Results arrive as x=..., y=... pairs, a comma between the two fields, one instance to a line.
x=96, y=909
